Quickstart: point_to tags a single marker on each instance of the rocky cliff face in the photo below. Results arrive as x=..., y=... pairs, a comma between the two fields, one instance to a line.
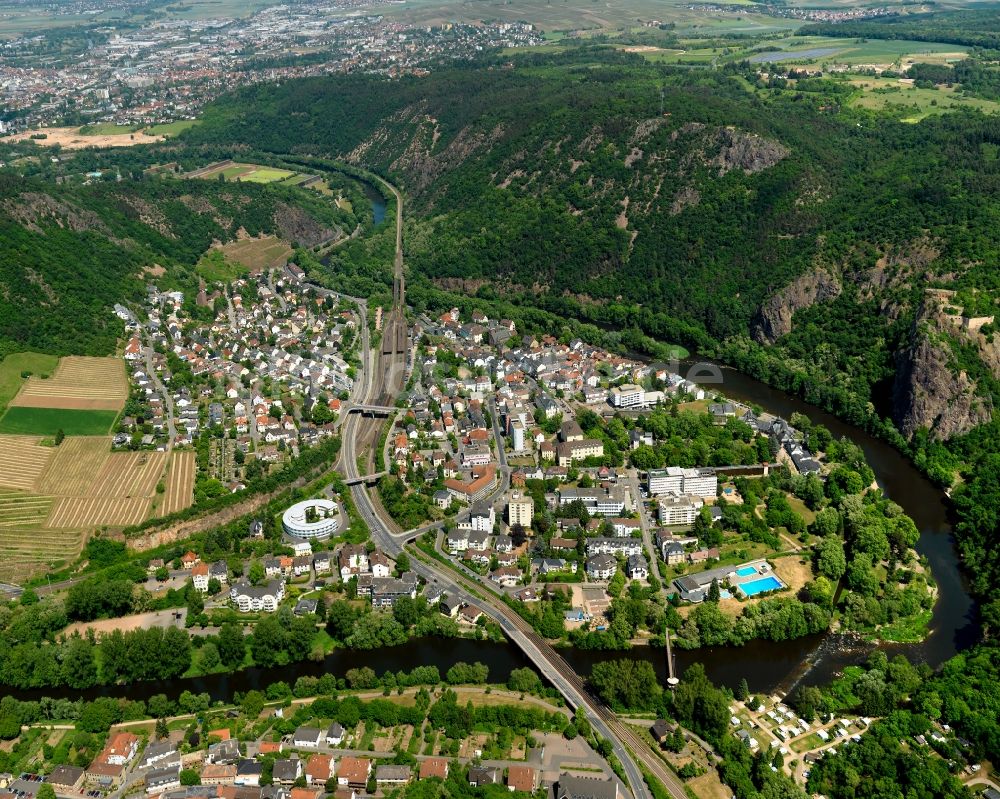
x=774, y=318
x=927, y=391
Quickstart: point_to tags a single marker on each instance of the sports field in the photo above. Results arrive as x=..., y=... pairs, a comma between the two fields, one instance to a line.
x=251, y=173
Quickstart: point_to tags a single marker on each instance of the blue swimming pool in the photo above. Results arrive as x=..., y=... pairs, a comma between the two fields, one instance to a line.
x=769, y=583
x=746, y=571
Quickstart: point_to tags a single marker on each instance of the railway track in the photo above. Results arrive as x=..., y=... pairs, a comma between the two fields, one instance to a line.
x=361, y=435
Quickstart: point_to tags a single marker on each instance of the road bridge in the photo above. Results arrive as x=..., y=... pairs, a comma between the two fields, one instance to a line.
x=365, y=479
x=626, y=744
x=372, y=410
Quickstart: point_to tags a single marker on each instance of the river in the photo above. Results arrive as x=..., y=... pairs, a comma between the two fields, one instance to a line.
x=766, y=665
x=376, y=199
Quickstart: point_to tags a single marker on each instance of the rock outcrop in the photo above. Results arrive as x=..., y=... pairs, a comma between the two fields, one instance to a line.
x=928, y=390
x=746, y=151
x=774, y=318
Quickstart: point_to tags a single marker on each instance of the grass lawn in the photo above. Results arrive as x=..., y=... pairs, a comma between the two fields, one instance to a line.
x=11, y=367
x=169, y=129
x=214, y=266
x=234, y=171
x=264, y=174
x=48, y=421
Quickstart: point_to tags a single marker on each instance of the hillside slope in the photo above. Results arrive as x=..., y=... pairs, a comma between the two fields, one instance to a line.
x=563, y=176
x=71, y=253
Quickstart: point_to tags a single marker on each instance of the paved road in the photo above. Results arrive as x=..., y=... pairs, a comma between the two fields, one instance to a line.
x=552, y=666
x=168, y=401
x=647, y=534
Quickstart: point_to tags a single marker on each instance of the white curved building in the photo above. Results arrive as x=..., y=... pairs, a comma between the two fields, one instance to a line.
x=311, y=518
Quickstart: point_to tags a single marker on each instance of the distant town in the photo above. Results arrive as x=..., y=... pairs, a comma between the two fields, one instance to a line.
x=166, y=70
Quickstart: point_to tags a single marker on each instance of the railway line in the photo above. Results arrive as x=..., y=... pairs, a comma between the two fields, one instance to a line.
x=383, y=380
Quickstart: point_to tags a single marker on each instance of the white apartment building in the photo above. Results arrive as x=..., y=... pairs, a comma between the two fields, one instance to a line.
x=679, y=509
x=628, y=395
x=675, y=480
x=520, y=510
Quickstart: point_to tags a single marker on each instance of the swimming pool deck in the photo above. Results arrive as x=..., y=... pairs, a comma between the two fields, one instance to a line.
x=691, y=585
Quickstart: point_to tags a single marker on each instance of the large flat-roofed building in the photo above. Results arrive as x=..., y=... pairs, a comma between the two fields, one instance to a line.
x=311, y=518
x=628, y=396
x=679, y=509
x=597, y=501
x=701, y=482
x=665, y=481
x=675, y=480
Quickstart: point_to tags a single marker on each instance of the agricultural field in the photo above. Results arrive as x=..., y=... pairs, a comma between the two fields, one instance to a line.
x=73, y=469
x=179, y=492
x=130, y=474
x=99, y=511
x=913, y=103
x=81, y=397
x=14, y=365
x=53, y=497
x=48, y=421
x=23, y=460
x=26, y=547
x=78, y=383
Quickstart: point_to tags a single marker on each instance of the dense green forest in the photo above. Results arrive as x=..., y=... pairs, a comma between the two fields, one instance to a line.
x=72, y=251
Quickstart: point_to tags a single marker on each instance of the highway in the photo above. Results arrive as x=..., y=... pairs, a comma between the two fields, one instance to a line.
x=382, y=380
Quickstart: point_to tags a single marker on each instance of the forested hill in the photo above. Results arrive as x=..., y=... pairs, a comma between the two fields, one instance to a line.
x=71, y=252
x=846, y=256
x=600, y=176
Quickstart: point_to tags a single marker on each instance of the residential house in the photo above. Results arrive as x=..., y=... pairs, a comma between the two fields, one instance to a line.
x=354, y=772
x=334, y=734
x=319, y=768
x=522, y=778
x=287, y=770
x=484, y=775
x=218, y=774
x=387, y=776
x=434, y=767
x=248, y=772
x=163, y=779
x=307, y=737
x=601, y=567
